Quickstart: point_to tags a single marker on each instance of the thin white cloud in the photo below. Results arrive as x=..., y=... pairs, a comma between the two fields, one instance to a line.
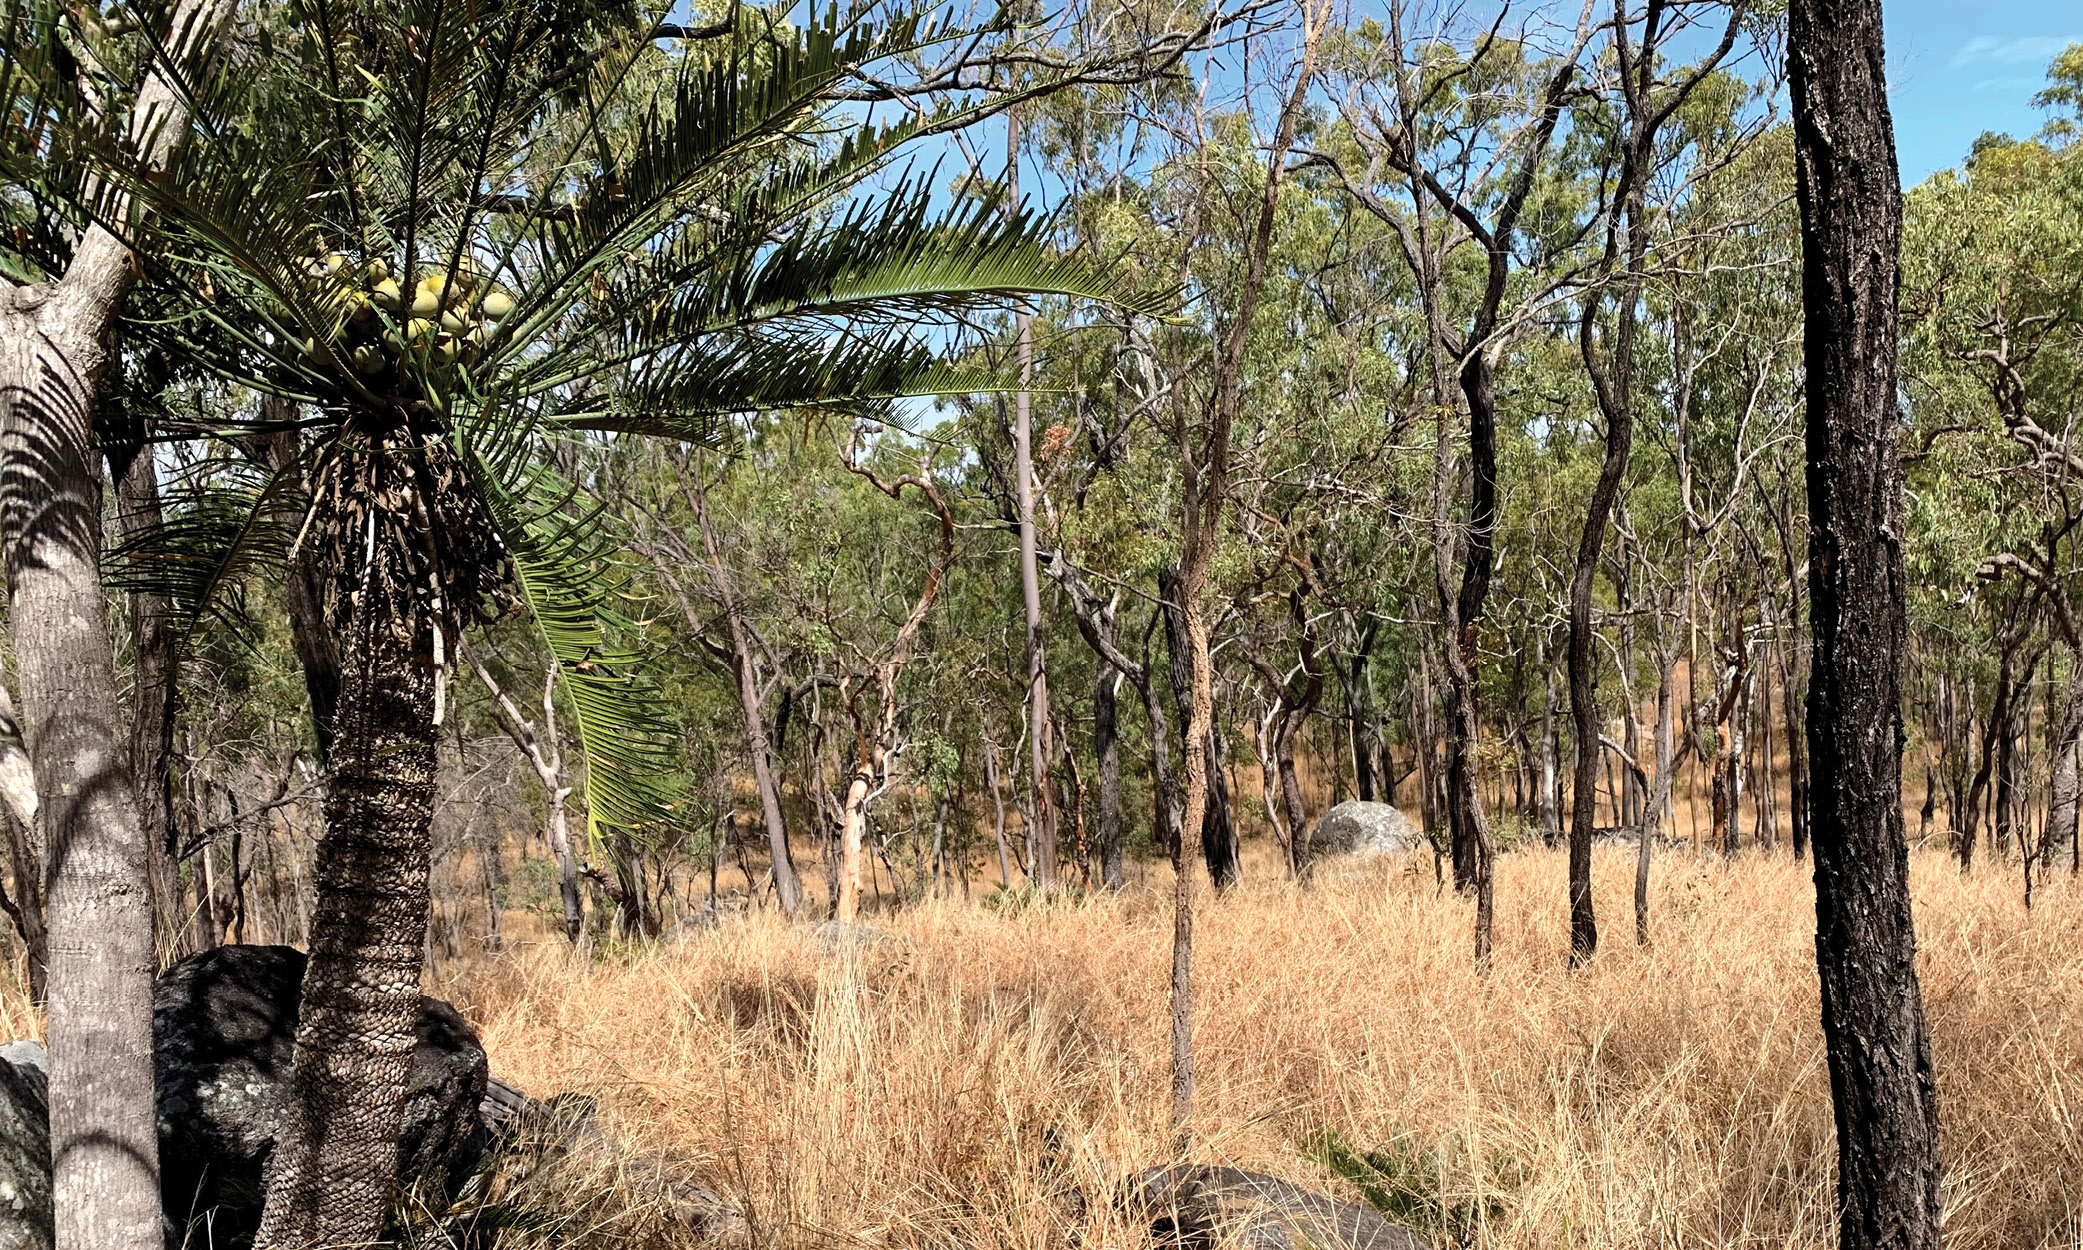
x=2026, y=49
x=2017, y=84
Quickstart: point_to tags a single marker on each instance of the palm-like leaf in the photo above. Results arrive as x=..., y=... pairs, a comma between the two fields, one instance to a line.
x=585, y=234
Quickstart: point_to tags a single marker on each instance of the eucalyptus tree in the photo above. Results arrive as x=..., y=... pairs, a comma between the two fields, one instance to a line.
x=455, y=237
x=1882, y=1085
x=67, y=277
x=1641, y=94
x=1995, y=311
x=1449, y=151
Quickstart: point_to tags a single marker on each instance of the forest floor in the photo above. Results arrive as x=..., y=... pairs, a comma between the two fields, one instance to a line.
x=958, y=1086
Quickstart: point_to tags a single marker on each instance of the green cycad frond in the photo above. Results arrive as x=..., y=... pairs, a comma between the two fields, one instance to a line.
x=217, y=532
x=567, y=574
x=688, y=395
x=900, y=259
x=480, y=223
x=729, y=126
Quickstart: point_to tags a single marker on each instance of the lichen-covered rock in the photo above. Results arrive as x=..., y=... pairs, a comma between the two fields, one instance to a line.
x=1357, y=828
x=25, y=1149
x=551, y=1155
x=224, y=1027
x=1200, y=1207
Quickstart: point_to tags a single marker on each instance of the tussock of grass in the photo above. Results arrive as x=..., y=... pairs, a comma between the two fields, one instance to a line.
x=992, y=1083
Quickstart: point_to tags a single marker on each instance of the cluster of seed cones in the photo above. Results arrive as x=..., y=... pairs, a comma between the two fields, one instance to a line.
x=386, y=334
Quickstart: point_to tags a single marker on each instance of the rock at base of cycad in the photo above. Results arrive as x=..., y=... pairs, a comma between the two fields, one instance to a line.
x=1201, y=1207
x=224, y=1030
x=552, y=1167
x=25, y=1149
x=1358, y=828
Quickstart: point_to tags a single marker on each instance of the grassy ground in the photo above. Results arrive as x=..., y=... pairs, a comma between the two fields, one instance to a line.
x=961, y=1086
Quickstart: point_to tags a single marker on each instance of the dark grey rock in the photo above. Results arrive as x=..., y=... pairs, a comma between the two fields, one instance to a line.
x=1357, y=828
x=25, y=1149
x=552, y=1152
x=1200, y=1207
x=224, y=1028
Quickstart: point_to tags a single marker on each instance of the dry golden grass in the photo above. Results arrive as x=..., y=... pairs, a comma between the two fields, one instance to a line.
x=956, y=1089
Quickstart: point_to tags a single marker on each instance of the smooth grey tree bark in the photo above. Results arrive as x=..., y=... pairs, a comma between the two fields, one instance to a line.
x=19, y=800
x=56, y=349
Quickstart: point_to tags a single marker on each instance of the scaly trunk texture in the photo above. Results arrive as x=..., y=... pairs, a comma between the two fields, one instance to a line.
x=409, y=555
x=1041, y=747
x=1881, y=1080
x=331, y=1179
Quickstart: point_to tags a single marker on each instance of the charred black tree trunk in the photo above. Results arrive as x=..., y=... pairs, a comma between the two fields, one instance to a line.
x=1881, y=1080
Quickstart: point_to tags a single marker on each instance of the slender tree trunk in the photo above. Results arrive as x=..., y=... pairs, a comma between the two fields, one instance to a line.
x=56, y=348
x=55, y=351
x=1106, y=743
x=757, y=744
x=2062, y=746
x=152, y=706
x=1796, y=738
x=1218, y=826
x=1005, y=863
x=1762, y=777
x=546, y=755
x=1660, y=802
x=1044, y=828
x=1881, y=1080
x=853, y=832
x=1422, y=740
x=1550, y=799
x=2004, y=800
x=1360, y=707
x=1584, y=709
x=1206, y=497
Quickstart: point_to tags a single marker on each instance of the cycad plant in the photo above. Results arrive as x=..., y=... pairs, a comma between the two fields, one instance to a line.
x=453, y=236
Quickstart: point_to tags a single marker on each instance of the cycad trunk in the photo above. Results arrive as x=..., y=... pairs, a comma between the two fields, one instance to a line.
x=331, y=1179
x=402, y=543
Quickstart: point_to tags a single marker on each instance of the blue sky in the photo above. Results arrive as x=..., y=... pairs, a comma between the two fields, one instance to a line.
x=1959, y=67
